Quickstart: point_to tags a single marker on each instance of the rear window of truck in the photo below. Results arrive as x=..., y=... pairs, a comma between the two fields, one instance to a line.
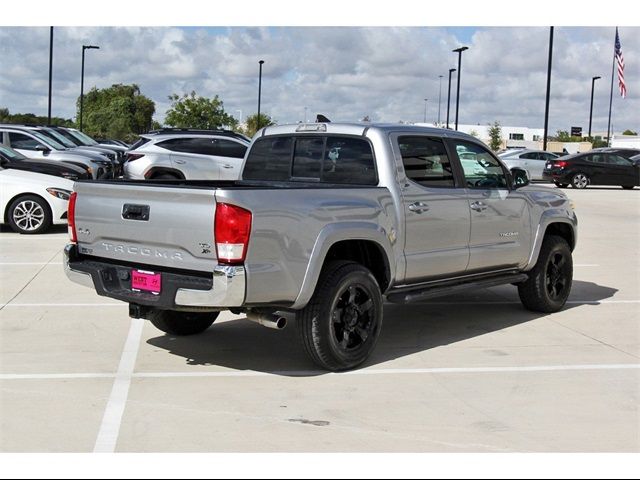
x=325, y=159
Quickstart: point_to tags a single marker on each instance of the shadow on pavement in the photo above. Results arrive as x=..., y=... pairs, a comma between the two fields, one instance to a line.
x=407, y=329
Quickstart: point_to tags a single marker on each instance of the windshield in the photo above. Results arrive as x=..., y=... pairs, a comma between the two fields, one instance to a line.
x=11, y=154
x=59, y=138
x=49, y=141
x=85, y=139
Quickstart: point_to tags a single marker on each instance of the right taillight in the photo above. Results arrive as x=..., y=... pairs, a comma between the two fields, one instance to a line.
x=560, y=164
x=71, y=217
x=134, y=156
x=232, y=230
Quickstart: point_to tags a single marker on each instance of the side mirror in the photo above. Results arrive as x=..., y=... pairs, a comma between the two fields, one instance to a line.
x=42, y=148
x=520, y=177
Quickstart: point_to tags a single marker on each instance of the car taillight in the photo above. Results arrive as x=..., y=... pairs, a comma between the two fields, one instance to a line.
x=560, y=164
x=232, y=229
x=71, y=217
x=134, y=156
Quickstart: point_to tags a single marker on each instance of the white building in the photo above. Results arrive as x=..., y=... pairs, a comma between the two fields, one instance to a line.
x=512, y=137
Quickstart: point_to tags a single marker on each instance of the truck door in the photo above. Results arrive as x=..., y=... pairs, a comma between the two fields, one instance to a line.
x=500, y=224
x=436, y=211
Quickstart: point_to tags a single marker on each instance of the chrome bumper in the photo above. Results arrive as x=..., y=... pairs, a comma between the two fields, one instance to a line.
x=228, y=290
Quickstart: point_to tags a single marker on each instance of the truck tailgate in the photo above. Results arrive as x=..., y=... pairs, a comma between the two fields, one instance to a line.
x=147, y=225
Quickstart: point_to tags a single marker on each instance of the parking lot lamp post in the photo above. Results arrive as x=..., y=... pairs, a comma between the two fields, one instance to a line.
x=84, y=47
x=451, y=70
x=259, y=92
x=425, y=110
x=439, y=97
x=593, y=81
x=459, y=50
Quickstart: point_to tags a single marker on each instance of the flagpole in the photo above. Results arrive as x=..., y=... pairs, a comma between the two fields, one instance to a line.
x=613, y=70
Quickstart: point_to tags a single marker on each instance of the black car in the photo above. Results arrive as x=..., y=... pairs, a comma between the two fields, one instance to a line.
x=623, y=152
x=597, y=167
x=11, y=159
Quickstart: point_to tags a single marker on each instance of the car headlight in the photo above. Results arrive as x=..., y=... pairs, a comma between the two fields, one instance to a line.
x=59, y=193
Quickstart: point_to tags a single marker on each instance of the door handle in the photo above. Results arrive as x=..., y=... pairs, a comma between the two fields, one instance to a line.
x=418, y=207
x=226, y=165
x=180, y=162
x=478, y=206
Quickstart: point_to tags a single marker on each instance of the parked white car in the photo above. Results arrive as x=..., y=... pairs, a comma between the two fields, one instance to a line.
x=533, y=161
x=32, y=202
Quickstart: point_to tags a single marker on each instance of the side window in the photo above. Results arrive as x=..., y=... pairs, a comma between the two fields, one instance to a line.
x=348, y=160
x=269, y=160
x=185, y=145
x=25, y=142
x=618, y=160
x=425, y=161
x=529, y=156
x=481, y=169
x=307, y=158
x=229, y=148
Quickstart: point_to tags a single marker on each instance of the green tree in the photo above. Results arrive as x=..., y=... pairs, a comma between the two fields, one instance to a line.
x=474, y=133
x=629, y=132
x=8, y=117
x=252, y=125
x=563, y=136
x=495, y=136
x=194, y=111
x=119, y=111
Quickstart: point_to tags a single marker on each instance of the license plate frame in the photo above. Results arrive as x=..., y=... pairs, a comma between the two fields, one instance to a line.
x=146, y=281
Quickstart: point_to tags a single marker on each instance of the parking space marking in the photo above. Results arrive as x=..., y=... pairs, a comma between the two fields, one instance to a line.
x=120, y=396
x=112, y=419
x=30, y=263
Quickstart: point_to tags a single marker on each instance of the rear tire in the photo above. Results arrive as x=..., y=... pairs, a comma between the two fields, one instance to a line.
x=29, y=215
x=561, y=185
x=340, y=325
x=627, y=187
x=166, y=176
x=580, y=181
x=549, y=283
x=182, y=323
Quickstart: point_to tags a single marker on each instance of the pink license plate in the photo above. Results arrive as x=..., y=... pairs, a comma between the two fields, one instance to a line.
x=146, y=281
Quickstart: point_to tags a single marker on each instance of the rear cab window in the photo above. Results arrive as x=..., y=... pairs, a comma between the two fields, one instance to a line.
x=318, y=158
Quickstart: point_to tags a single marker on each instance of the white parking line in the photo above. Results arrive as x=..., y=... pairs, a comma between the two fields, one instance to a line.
x=112, y=419
x=119, y=398
x=27, y=305
x=30, y=263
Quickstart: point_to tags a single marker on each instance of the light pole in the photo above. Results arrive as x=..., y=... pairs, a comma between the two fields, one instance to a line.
x=84, y=47
x=593, y=81
x=425, y=110
x=259, y=92
x=50, y=73
x=439, y=97
x=451, y=70
x=459, y=50
x=548, y=96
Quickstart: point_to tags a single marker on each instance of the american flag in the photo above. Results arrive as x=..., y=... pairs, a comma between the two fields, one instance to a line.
x=620, y=62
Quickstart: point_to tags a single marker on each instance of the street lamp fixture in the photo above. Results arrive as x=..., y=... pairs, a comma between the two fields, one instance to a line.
x=593, y=81
x=459, y=51
x=451, y=70
x=259, y=122
x=84, y=47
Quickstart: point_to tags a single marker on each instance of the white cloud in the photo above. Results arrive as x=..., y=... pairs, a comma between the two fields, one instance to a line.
x=344, y=73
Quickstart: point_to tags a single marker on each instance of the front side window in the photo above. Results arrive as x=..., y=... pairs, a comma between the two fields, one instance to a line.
x=481, y=169
x=425, y=161
x=22, y=141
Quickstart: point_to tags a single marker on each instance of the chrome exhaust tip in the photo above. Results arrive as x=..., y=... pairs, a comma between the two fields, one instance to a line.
x=269, y=320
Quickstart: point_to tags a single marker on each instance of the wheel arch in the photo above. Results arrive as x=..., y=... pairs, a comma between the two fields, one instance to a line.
x=155, y=171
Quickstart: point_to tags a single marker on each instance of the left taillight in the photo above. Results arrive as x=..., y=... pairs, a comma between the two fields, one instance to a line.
x=71, y=217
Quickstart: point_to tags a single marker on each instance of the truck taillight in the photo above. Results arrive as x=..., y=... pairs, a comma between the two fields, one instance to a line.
x=71, y=217
x=232, y=229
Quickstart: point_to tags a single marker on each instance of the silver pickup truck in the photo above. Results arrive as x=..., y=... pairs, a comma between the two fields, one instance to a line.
x=327, y=222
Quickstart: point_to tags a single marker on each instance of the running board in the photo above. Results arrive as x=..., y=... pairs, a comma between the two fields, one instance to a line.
x=449, y=288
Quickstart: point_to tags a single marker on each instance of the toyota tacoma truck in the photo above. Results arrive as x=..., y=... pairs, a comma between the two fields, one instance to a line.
x=327, y=222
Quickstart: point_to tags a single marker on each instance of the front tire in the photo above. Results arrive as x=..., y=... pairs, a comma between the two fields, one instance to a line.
x=340, y=325
x=627, y=187
x=549, y=283
x=29, y=215
x=561, y=185
x=182, y=323
x=580, y=181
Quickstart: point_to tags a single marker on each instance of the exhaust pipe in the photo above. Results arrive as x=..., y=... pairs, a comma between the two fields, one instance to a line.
x=269, y=320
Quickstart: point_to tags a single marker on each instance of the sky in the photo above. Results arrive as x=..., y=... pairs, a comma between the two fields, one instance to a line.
x=344, y=72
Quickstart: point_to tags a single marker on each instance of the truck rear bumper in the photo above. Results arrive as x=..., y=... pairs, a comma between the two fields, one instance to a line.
x=224, y=288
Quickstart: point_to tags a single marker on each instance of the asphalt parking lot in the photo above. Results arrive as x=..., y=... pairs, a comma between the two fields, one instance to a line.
x=470, y=373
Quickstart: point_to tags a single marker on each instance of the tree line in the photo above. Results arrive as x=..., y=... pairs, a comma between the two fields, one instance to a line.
x=122, y=112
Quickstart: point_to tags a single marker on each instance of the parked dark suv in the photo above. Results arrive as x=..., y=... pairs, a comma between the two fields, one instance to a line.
x=597, y=167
